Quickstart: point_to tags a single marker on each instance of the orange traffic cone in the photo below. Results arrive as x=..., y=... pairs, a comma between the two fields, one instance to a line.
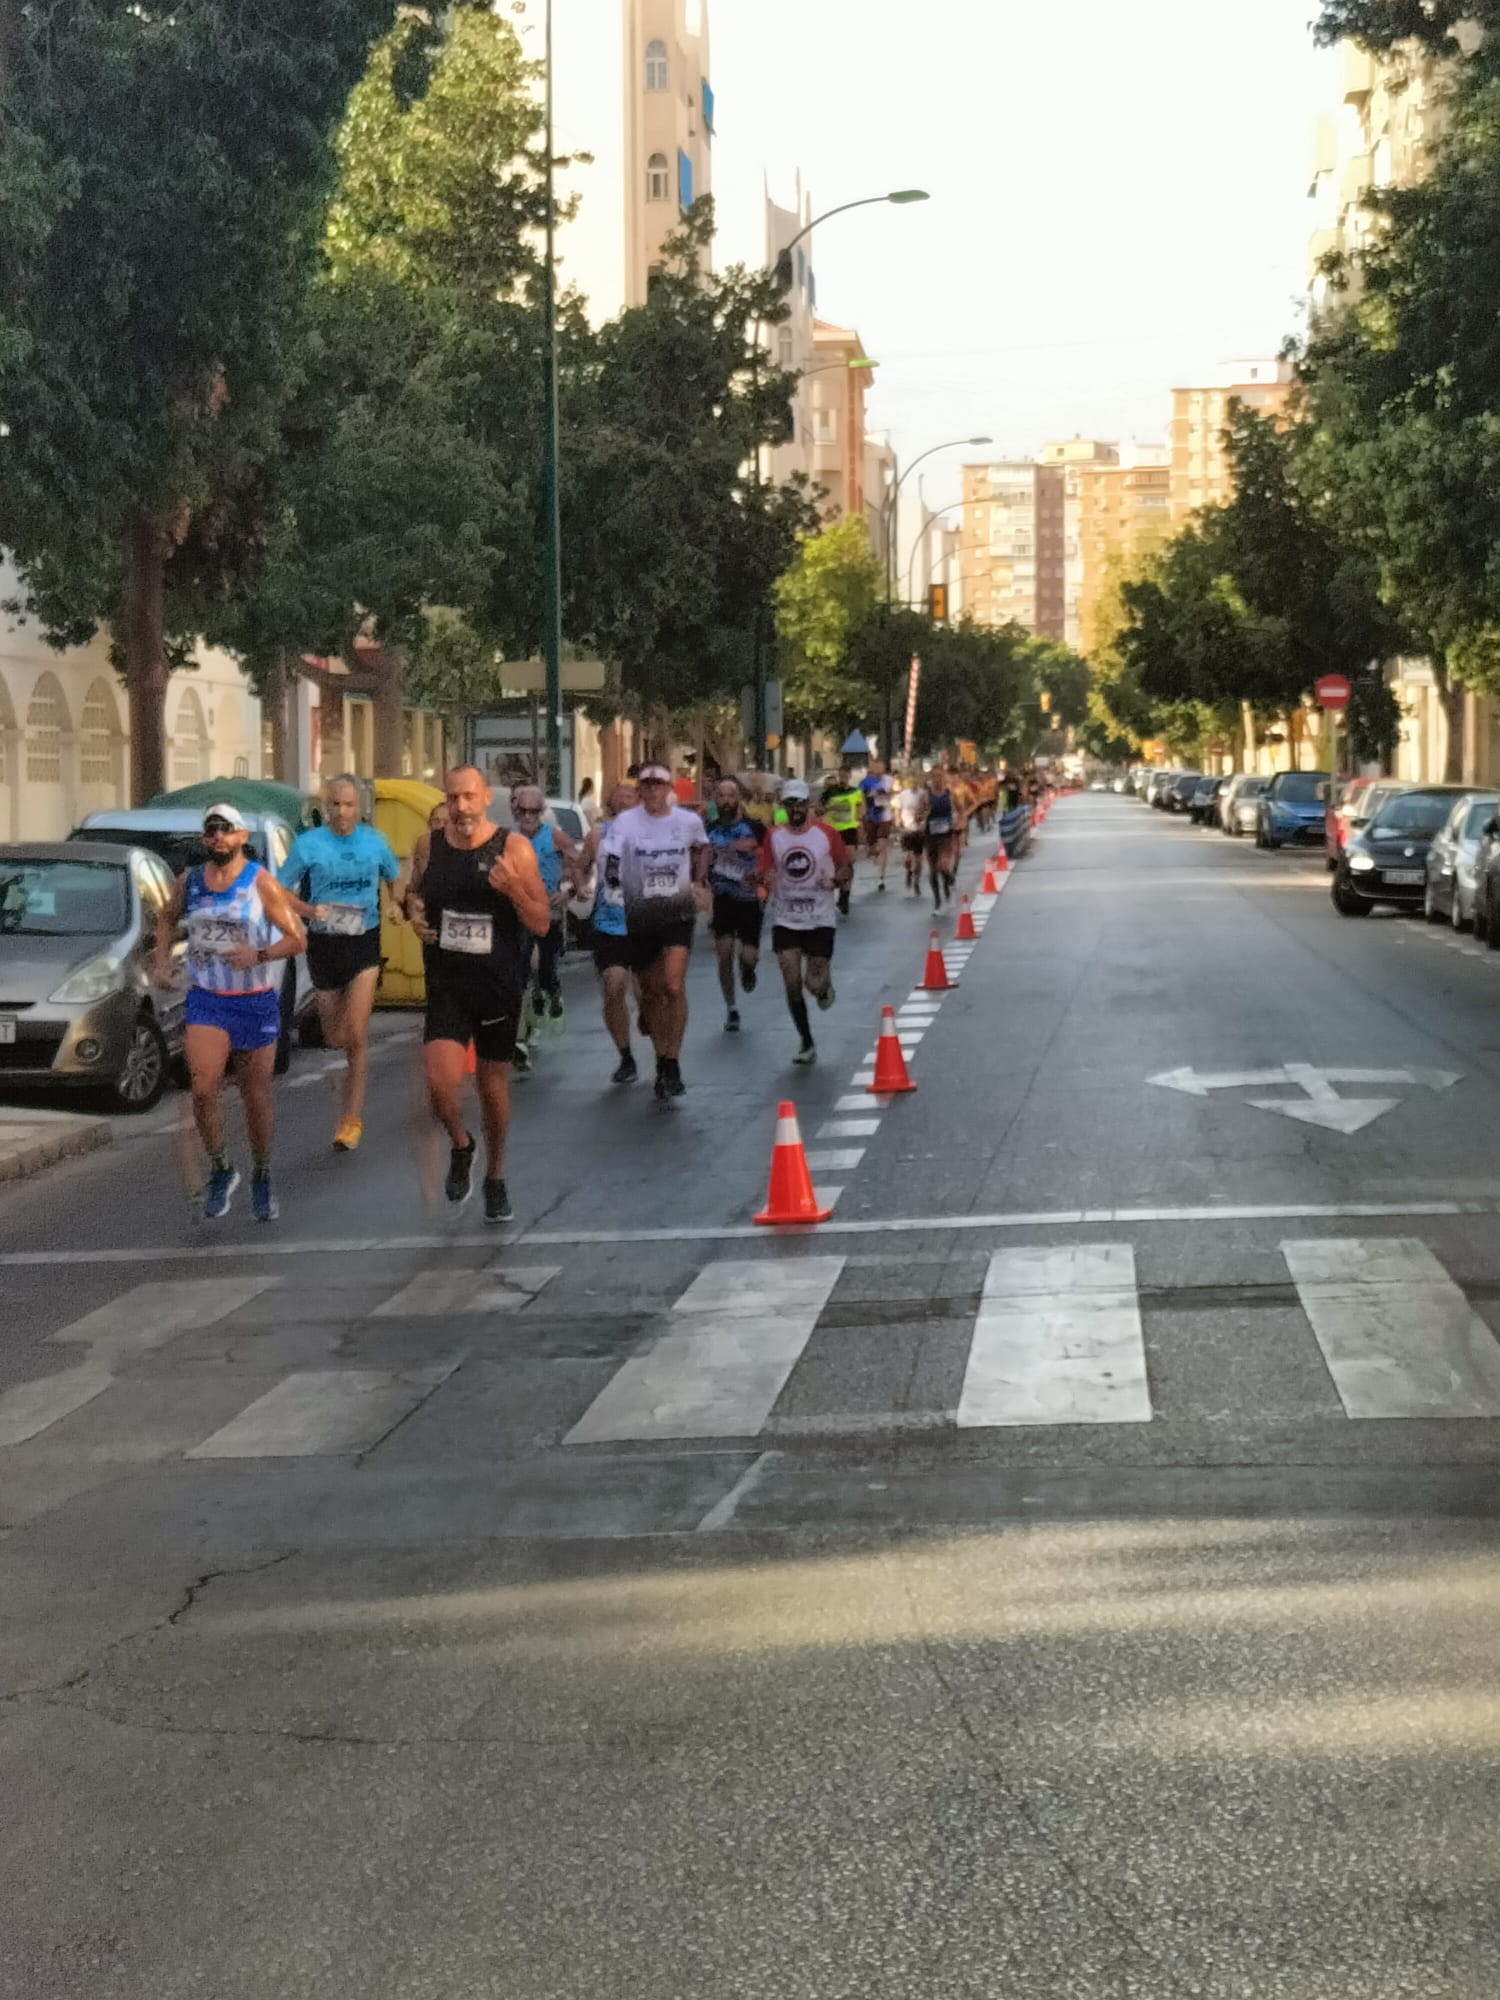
x=966, y=928
x=935, y=975
x=891, y=1079
x=989, y=886
x=1002, y=860
x=791, y=1197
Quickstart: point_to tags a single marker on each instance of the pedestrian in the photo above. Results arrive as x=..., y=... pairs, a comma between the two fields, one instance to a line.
x=738, y=843
x=478, y=893
x=911, y=820
x=876, y=790
x=588, y=805
x=240, y=922
x=558, y=858
x=601, y=852
x=336, y=875
x=806, y=865
x=664, y=856
x=941, y=825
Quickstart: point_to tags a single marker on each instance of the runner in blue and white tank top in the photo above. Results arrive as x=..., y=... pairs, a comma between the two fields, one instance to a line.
x=240, y=924
x=557, y=857
x=612, y=949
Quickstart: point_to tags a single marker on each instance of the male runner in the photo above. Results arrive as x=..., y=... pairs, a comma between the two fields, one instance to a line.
x=343, y=864
x=734, y=876
x=240, y=921
x=557, y=857
x=841, y=809
x=875, y=789
x=663, y=871
x=806, y=864
x=941, y=826
x=477, y=894
x=601, y=852
x=911, y=819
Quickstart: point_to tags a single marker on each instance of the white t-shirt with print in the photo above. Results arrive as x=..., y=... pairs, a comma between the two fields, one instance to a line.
x=656, y=866
x=909, y=809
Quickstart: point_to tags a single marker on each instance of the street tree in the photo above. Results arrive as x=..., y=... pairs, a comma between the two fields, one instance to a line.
x=823, y=600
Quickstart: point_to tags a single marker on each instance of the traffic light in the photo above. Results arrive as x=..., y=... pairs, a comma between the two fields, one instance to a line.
x=937, y=603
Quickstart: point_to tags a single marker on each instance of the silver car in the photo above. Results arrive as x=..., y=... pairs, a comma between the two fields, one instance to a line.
x=1239, y=808
x=1453, y=859
x=77, y=941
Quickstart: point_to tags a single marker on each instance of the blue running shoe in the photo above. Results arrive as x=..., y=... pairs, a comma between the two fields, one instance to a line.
x=263, y=1204
x=222, y=1183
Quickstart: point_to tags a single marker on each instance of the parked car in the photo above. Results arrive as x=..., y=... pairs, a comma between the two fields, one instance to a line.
x=1156, y=787
x=1293, y=807
x=77, y=942
x=1385, y=860
x=1343, y=805
x=1205, y=799
x=1453, y=858
x=1239, y=809
x=1178, y=795
x=174, y=833
x=1487, y=887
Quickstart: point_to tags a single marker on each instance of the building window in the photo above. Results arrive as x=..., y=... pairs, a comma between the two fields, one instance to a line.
x=190, y=758
x=784, y=346
x=96, y=737
x=684, y=181
x=46, y=718
x=658, y=178
x=656, y=65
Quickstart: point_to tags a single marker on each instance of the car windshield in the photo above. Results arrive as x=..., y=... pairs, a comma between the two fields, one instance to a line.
x=1302, y=788
x=180, y=851
x=1477, y=818
x=1412, y=812
x=1251, y=788
x=63, y=899
x=1189, y=782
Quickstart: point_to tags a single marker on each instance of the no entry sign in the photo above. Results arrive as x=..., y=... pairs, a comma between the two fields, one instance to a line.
x=1333, y=692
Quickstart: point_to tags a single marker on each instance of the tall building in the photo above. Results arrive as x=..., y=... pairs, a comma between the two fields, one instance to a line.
x=791, y=343
x=1117, y=509
x=837, y=392
x=632, y=91
x=1013, y=545
x=1201, y=473
x=1071, y=456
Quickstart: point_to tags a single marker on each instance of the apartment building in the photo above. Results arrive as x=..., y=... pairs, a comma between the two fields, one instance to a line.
x=1013, y=553
x=1201, y=472
x=1117, y=509
x=836, y=391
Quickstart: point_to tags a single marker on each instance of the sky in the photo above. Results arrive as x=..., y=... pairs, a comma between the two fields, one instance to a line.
x=1119, y=197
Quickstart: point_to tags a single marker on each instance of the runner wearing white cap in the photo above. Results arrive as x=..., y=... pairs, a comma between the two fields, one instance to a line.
x=807, y=865
x=664, y=853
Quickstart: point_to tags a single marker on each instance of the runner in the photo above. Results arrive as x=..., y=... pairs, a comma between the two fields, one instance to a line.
x=842, y=804
x=876, y=789
x=911, y=818
x=557, y=857
x=478, y=895
x=942, y=834
x=663, y=871
x=733, y=874
x=601, y=852
x=342, y=865
x=806, y=864
x=239, y=921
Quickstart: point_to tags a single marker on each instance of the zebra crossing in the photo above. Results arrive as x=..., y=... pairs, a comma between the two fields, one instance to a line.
x=1057, y=1336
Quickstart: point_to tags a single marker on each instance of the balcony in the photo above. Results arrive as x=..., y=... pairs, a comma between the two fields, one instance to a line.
x=1357, y=72
x=1356, y=178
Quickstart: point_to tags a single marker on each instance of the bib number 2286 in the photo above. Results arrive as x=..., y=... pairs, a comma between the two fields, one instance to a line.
x=472, y=934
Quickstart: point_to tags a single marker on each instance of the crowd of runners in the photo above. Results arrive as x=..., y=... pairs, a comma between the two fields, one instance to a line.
x=489, y=906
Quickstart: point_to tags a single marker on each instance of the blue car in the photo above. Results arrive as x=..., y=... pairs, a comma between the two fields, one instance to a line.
x=1294, y=806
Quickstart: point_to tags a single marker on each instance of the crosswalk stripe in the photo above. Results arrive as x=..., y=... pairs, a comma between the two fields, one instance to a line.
x=320, y=1412
x=849, y=1128
x=33, y=1407
x=1399, y=1337
x=495, y=1289
x=148, y=1316
x=1058, y=1340
x=722, y=1356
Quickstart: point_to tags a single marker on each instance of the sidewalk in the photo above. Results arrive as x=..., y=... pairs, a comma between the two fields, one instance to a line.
x=31, y=1139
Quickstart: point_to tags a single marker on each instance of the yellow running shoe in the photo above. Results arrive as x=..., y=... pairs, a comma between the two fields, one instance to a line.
x=348, y=1136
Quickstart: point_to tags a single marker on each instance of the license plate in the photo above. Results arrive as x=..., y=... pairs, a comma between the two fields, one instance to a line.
x=1404, y=878
x=7, y=1029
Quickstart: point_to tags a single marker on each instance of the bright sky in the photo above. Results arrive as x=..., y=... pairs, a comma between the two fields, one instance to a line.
x=1119, y=196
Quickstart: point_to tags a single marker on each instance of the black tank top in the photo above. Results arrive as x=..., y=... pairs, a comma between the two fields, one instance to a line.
x=456, y=886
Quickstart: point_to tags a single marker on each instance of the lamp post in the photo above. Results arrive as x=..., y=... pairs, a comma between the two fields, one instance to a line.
x=552, y=551
x=893, y=529
x=898, y=198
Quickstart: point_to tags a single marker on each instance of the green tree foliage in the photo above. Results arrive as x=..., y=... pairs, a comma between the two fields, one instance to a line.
x=162, y=175
x=823, y=600
x=1436, y=26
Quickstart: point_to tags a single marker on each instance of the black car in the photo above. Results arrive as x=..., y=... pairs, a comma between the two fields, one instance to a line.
x=1385, y=858
x=1178, y=796
x=1203, y=807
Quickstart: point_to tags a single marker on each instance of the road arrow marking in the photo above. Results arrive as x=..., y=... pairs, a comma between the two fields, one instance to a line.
x=1335, y=1114
x=1192, y=1085
x=1321, y=1105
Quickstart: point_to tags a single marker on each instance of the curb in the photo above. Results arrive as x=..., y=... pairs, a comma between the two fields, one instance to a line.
x=31, y=1141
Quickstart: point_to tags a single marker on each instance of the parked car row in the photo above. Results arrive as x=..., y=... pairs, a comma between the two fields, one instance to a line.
x=1290, y=808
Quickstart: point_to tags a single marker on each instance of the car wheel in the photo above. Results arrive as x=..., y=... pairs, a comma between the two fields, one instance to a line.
x=1346, y=902
x=1491, y=928
x=1430, y=909
x=284, y=1039
x=1456, y=915
x=143, y=1074
x=1271, y=845
x=1481, y=923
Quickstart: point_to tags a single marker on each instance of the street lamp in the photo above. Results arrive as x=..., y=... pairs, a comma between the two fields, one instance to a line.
x=895, y=500
x=552, y=554
x=861, y=362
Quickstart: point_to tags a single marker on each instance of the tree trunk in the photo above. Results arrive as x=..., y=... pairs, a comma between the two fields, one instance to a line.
x=1247, y=718
x=389, y=707
x=144, y=645
x=1454, y=708
x=275, y=704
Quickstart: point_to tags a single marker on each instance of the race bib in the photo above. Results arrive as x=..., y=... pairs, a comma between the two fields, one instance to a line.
x=462, y=932
x=343, y=920
x=215, y=937
x=662, y=881
x=801, y=906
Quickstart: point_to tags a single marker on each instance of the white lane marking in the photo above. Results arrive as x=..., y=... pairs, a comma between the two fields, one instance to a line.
x=722, y=1513
x=435, y=1294
x=713, y=1372
x=858, y=1100
x=849, y=1128
x=1399, y=1337
x=909, y=1038
x=322, y=1412
x=151, y=1315
x=1058, y=1340
x=835, y=1160
x=33, y=1407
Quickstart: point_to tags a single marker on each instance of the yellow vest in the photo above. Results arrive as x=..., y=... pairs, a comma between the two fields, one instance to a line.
x=842, y=811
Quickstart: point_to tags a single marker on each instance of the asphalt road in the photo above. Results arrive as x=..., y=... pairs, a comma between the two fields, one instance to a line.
x=1070, y=1571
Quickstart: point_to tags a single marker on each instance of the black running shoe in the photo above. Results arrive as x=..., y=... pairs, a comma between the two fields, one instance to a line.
x=669, y=1083
x=460, y=1182
x=732, y=1021
x=497, y=1206
x=748, y=976
x=626, y=1071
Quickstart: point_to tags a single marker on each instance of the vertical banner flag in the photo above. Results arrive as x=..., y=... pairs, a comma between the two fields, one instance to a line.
x=911, y=703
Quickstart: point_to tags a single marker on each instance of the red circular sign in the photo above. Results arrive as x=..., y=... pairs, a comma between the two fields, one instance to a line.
x=1333, y=691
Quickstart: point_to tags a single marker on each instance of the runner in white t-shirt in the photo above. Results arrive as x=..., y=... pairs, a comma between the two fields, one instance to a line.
x=806, y=865
x=664, y=854
x=911, y=819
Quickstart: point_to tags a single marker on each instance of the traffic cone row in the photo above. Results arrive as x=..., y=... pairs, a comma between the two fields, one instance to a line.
x=966, y=928
x=891, y=1076
x=935, y=973
x=791, y=1197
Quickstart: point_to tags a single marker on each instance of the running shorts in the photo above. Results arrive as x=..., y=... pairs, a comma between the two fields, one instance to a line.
x=251, y=1020
x=646, y=947
x=741, y=917
x=334, y=962
x=914, y=842
x=812, y=944
x=485, y=1011
x=612, y=948
x=877, y=833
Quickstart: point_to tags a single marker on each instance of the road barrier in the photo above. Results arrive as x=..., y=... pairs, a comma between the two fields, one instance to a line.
x=1015, y=831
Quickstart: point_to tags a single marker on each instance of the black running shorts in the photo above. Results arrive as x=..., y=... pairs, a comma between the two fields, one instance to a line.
x=335, y=962
x=485, y=1011
x=812, y=944
x=741, y=917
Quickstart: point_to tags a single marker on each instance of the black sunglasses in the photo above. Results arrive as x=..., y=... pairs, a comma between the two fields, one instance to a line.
x=219, y=826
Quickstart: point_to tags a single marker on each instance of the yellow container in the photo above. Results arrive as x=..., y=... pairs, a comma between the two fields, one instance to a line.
x=402, y=807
